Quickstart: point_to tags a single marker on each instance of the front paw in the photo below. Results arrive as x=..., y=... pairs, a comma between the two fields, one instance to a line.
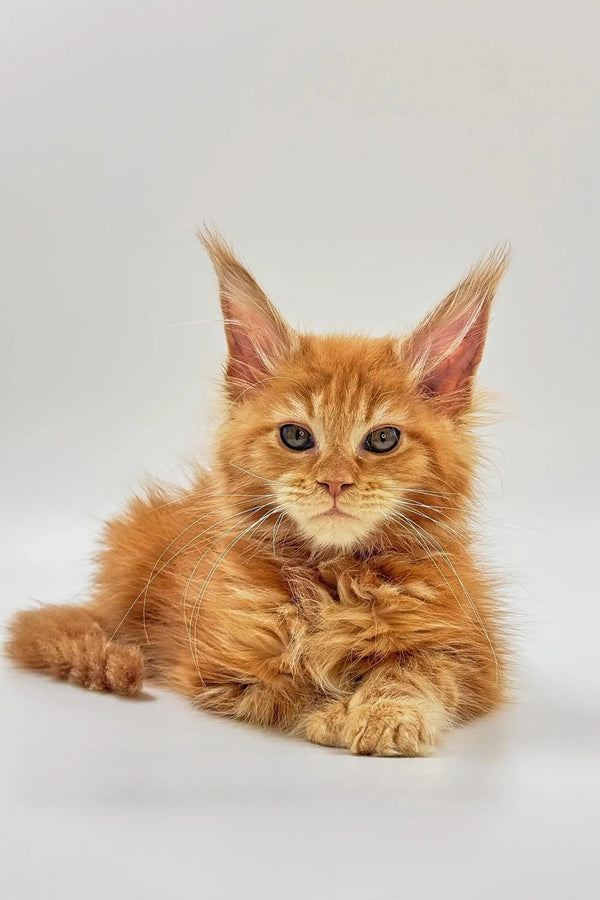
x=325, y=725
x=394, y=727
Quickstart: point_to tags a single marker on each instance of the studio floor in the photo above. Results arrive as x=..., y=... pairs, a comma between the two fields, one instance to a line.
x=104, y=797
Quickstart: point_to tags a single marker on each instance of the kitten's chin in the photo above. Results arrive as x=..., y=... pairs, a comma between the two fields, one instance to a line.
x=335, y=532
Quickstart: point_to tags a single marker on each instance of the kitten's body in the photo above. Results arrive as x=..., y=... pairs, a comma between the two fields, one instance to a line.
x=373, y=628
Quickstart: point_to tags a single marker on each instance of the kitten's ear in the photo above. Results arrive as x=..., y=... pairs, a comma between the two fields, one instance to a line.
x=445, y=350
x=256, y=333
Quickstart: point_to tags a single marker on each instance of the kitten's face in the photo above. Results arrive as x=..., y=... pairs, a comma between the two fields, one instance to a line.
x=344, y=436
x=339, y=441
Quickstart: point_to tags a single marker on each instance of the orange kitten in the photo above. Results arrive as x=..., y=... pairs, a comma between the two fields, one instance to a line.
x=320, y=576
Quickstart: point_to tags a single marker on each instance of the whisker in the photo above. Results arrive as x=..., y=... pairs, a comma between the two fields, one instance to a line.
x=203, y=493
x=186, y=545
x=216, y=565
x=421, y=536
x=432, y=493
x=276, y=531
x=254, y=475
x=426, y=505
x=154, y=574
x=448, y=528
x=193, y=572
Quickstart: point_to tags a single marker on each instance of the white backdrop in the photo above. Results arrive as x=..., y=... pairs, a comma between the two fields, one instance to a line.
x=360, y=156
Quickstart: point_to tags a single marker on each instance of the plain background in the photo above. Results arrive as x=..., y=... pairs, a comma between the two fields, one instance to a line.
x=360, y=156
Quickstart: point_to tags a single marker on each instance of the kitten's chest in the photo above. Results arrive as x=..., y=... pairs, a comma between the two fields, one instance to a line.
x=343, y=623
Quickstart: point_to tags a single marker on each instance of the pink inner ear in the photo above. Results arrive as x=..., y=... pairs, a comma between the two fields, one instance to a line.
x=447, y=355
x=249, y=347
x=254, y=340
x=256, y=333
x=454, y=371
x=445, y=350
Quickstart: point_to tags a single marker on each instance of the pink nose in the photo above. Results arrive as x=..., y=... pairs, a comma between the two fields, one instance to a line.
x=335, y=488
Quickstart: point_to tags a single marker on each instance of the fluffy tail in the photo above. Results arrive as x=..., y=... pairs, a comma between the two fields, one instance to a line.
x=69, y=643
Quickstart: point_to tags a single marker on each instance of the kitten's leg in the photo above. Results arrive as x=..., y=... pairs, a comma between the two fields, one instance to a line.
x=69, y=643
x=402, y=708
x=269, y=706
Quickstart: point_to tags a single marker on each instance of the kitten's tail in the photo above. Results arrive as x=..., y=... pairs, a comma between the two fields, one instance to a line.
x=68, y=642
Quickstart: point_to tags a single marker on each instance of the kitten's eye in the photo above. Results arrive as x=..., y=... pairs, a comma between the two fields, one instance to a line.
x=382, y=440
x=296, y=437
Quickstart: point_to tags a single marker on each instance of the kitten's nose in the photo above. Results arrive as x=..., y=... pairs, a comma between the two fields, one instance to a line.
x=335, y=488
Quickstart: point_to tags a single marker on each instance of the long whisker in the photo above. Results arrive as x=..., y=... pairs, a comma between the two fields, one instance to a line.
x=431, y=493
x=254, y=475
x=276, y=531
x=247, y=513
x=417, y=510
x=422, y=539
x=193, y=572
x=202, y=493
x=185, y=546
x=400, y=495
x=219, y=560
x=469, y=598
x=154, y=574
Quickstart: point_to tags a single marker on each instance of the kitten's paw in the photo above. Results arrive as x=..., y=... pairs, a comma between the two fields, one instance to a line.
x=394, y=727
x=325, y=725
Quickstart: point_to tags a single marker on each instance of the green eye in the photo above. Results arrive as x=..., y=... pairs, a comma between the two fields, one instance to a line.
x=382, y=440
x=296, y=437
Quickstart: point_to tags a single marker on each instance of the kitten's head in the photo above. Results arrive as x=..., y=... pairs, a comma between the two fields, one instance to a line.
x=347, y=438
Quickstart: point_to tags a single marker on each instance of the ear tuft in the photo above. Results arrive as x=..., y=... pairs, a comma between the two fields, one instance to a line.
x=445, y=350
x=256, y=333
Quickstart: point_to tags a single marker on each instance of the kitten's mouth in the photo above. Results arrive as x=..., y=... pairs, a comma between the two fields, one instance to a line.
x=334, y=512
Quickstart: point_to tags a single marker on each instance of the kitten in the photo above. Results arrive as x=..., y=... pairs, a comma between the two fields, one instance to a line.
x=320, y=577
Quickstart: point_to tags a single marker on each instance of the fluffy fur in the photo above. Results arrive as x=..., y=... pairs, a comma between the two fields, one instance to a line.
x=334, y=592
